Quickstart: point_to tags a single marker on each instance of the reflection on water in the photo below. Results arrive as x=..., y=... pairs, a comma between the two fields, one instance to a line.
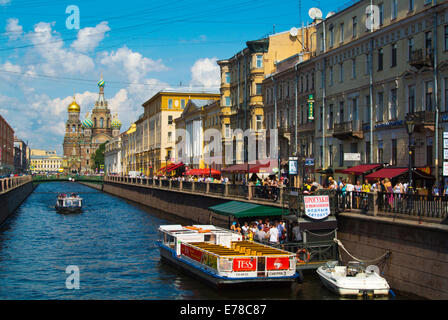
x=113, y=242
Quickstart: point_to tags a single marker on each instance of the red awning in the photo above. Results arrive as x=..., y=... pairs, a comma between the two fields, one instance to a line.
x=361, y=169
x=253, y=167
x=202, y=172
x=174, y=167
x=387, y=173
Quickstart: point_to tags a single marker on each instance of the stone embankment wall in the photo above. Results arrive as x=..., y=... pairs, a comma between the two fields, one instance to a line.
x=13, y=191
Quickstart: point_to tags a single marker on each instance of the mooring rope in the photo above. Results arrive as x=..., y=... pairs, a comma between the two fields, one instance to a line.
x=320, y=235
x=384, y=256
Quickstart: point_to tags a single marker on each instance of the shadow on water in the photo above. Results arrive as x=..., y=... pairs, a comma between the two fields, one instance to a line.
x=113, y=242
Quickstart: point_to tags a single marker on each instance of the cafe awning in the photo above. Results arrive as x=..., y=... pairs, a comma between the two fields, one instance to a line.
x=361, y=169
x=202, y=172
x=245, y=209
x=174, y=167
x=388, y=172
x=257, y=167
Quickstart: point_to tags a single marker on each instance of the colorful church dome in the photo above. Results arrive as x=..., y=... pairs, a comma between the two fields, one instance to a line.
x=87, y=123
x=116, y=124
x=74, y=107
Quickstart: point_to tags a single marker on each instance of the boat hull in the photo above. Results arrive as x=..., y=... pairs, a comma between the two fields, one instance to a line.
x=67, y=210
x=207, y=275
x=354, y=290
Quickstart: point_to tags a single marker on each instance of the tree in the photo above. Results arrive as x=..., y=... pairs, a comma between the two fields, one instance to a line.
x=98, y=157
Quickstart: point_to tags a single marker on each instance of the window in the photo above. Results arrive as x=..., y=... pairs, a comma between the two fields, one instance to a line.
x=380, y=112
x=322, y=44
x=381, y=13
x=429, y=96
x=227, y=131
x=394, y=55
x=411, y=43
x=182, y=104
x=259, y=61
x=394, y=9
x=428, y=41
x=321, y=119
x=411, y=99
x=411, y=5
x=341, y=34
x=367, y=69
x=330, y=118
x=227, y=77
x=355, y=26
x=258, y=89
x=331, y=76
x=380, y=59
x=393, y=104
x=227, y=101
x=367, y=113
x=331, y=35
x=446, y=93
x=367, y=158
x=170, y=120
x=341, y=155
x=321, y=156
x=446, y=37
x=259, y=122
x=380, y=151
x=341, y=72
x=330, y=155
x=354, y=68
x=170, y=103
x=341, y=112
x=355, y=109
x=101, y=123
x=394, y=152
x=170, y=136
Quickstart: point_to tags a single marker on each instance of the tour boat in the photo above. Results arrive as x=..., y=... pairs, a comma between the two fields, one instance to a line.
x=68, y=203
x=220, y=256
x=353, y=279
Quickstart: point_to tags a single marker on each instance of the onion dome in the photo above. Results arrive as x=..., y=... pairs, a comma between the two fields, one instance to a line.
x=101, y=83
x=87, y=123
x=74, y=107
x=116, y=124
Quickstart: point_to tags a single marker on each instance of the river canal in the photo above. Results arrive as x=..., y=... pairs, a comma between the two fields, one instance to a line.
x=113, y=243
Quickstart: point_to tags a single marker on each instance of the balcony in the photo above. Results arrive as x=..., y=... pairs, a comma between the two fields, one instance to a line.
x=306, y=127
x=423, y=120
x=422, y=58
x=347, y=130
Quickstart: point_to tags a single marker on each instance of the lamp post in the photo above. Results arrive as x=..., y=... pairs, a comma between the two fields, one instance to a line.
x=410, y=125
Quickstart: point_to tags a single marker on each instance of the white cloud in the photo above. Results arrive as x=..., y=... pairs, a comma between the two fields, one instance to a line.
x=13, y=29
x=132, y=64
x=4, y=2
x=205, y=73
x=89, y=38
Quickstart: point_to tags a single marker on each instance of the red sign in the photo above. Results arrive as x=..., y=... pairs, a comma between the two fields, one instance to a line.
x=243, y=264
x=277, y=263
x=191, y=252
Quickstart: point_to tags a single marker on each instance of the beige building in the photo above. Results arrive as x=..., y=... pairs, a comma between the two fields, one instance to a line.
x=128, y=150
x=45, y=161
x=370, y=80
x=155, y=128
x=241, y=84
x=199, y=116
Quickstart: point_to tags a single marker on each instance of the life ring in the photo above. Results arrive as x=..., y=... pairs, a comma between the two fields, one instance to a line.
x=307, y=254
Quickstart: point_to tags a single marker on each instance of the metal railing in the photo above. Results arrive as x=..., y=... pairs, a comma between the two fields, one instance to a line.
x=8, y=184
x=268, y=193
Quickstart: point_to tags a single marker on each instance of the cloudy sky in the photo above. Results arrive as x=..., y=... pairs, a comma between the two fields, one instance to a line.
x=140, y=46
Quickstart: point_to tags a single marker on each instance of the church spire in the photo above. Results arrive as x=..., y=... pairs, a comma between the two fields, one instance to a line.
x=101, y=103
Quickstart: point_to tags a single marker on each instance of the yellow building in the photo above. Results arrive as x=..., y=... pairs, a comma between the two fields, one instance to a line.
x=241, y=82
x=155, y=128
x=45, y=161
x=199, y=115
x=128, y=156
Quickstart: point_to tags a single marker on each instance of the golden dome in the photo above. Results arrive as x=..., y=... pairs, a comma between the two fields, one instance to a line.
x=74, y=107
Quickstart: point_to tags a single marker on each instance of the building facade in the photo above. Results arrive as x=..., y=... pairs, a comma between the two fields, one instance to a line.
x=372, y=77
x=6, y=147
x=43, y=161
x=21, y=156
x=112, y=156
x=82, y=139
x=155, y=128
x=242, y=77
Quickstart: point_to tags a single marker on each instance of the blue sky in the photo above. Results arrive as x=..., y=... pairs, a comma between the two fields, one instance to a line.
x=140, y=46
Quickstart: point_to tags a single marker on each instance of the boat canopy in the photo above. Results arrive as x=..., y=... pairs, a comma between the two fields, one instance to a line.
x=244, y=209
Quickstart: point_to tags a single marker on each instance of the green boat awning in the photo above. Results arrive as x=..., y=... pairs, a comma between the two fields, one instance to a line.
x=244, y=209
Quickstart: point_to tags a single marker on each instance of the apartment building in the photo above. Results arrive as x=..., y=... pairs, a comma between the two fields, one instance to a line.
x=241, y=85
x=6, y=147
x=374, y=72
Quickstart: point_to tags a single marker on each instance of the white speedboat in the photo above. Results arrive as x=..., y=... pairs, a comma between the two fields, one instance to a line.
x=353, y=279
x=68, y=203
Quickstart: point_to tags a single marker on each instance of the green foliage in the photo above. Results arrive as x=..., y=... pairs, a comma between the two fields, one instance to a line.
x=98, y=157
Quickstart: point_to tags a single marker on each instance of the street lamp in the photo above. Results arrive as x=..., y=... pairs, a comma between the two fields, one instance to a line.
x=410, y=125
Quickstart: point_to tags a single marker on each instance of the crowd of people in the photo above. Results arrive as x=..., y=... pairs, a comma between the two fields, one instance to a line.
x=275, y=232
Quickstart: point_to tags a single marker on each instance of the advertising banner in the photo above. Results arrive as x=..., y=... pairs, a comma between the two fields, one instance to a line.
x=244, y=264
x=281, y=263
x=317, y=207
x=191, y=252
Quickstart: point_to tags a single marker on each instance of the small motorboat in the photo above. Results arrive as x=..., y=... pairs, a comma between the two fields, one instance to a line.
x=353, y=280
x=69, y=203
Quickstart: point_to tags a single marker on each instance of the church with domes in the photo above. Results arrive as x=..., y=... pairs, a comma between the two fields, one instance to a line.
x=82, y=138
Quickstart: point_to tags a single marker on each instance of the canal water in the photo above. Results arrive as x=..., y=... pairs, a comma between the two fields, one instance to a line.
x=113, y=243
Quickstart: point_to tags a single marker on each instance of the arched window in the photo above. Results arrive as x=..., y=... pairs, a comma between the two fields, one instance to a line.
x=94, y=122
x=73, y=128
x=101, y=123
x=108, y=122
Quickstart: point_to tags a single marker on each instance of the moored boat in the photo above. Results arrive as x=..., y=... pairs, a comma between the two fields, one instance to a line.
x=68, y=203
x=220, y=256
x=353, y=280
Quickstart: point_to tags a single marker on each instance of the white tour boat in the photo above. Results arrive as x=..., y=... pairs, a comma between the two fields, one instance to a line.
x=221, y=257
x=353, y=279
x=68, y=203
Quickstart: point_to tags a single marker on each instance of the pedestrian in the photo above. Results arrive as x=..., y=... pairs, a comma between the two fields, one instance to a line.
x=296, y=232
x=261, y=235
x=332, y=185
x=273, y=234
x=366, y=187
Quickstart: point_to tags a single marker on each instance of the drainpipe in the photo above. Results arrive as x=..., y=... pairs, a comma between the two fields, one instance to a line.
x=296, y=116
x=276, y=126
x=436, y=95
x=371, y=86
x=324, y=164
